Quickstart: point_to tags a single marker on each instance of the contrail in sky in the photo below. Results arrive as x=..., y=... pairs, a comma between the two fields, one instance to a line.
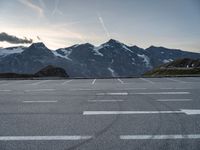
x=34, y=7
x=103, y=25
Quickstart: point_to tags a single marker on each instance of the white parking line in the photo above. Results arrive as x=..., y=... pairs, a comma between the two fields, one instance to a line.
x=146, y=80
x=159, y=137
x=122, y=82
x=40, y=82
x=44, y=138
x=106, y=100
x=66, y=82
x=128, y=112
x=40, y=101
x=173, y=100
x=182, y=111
x=175, y=80
x=124, y=93
x=5, y=90
x=39, y=90
x=175, y=88
x=160, y=93
x=93, y=82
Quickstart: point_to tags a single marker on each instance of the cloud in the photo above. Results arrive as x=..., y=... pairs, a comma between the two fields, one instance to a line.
x=34, y=7
x=103, y=25
x=4, y=37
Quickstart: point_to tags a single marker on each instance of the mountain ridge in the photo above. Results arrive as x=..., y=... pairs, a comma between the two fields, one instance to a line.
x=109, y=59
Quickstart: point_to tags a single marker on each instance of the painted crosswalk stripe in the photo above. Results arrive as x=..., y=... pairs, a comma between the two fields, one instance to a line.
x=44, y=138
x=159, y=137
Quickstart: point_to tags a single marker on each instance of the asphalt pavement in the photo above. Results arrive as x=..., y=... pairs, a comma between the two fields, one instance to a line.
x=100, y=114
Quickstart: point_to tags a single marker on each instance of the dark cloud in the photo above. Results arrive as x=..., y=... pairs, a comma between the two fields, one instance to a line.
x=4, y=37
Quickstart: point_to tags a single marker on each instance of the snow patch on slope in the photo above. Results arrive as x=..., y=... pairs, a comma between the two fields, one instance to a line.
x=167, y=60
x=5, y=52
x=145, y=58
x=66, y=53
x=111, y=71
x=96, y=50
x=126, y=48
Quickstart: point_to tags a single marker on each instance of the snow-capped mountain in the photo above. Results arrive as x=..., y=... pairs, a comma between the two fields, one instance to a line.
x=112, y=58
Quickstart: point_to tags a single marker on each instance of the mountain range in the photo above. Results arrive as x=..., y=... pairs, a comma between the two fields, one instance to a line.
x=111, y=59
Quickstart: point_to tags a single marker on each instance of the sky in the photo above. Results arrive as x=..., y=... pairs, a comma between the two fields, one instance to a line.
x=62, y=23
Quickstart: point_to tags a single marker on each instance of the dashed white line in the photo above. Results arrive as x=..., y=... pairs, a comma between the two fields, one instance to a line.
x=66, y=82
x=173, y=100
x=40, y=101
x=159, y=137
x=146, y=80
x=93, y=82
x=44, y=138
x=124, y=93
x=122, y=82
x=108, y=100
x=160, y=93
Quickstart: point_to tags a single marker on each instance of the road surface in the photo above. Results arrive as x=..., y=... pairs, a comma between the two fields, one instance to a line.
x=100, y=114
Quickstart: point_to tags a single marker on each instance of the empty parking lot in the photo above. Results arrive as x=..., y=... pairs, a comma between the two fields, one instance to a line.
x=111, y=114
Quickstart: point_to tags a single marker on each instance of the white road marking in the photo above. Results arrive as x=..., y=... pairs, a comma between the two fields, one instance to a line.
x=122, y=82
x=40, y=82
x=40, y=101
x=146, y=80
x=39, y=90
x=82, y=89
x=175, y=80
x=108, y=100
x=160, y=93
x=5, y=90
x=182, y=111
x=66, y=82
x=93, y=82
x=191, y=111
x=173, y=100
x=44, y=138
x=159, y=137
x=135, y=88
x=175, y=88
x=128, y=112
x=124, y=93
